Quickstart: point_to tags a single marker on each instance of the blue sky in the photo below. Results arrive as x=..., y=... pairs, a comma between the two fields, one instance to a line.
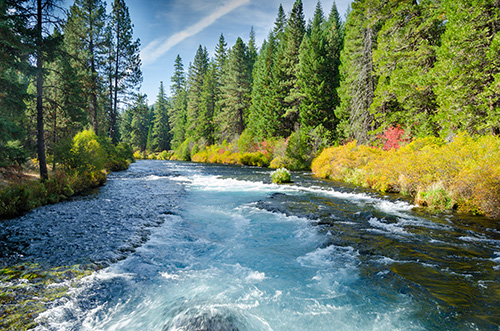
x=170, y=27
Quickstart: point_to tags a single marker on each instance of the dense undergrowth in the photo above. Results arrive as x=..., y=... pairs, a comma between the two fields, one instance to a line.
x=463, y=174
x=82, y=162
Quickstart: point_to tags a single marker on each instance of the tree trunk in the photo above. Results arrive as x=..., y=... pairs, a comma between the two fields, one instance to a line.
x=93, y=92
x=39, y=97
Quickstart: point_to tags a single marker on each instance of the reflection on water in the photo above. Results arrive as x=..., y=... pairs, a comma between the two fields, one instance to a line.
x=180, y=246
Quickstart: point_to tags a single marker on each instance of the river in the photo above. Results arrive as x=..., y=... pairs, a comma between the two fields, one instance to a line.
x=184, y=246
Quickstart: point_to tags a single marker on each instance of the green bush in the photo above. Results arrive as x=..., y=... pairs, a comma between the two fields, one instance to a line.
x=253, y=159
x=280, y=176
x=12, y=153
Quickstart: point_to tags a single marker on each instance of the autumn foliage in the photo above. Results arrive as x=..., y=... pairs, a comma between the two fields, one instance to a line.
x=463, y=174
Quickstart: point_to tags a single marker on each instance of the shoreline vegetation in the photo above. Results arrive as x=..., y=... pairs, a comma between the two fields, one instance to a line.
x=462, y=175
x=82, y=164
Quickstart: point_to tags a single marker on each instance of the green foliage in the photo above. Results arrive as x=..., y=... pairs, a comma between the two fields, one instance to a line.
x=12, y=152
x=468, y=68
x=281, y=176
x=235, y=93
x=246, y=142
x=183, y=152
x=196, y=77
x=140, y=123
x=161, y=136
x=86, y=154
x=405, y=54
x=357, y=85
x=253, y=159
x=318, y=75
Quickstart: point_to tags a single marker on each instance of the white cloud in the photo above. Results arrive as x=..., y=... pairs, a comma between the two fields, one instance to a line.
x=158, y=47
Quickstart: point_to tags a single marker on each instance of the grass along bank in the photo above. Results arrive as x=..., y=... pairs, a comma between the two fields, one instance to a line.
x=82, y=163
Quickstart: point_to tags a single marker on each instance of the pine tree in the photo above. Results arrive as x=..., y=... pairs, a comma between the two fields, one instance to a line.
x=13, y=85
x=316, y=77
x=140, y=123
x=161, y=135
x=286, y=70
x=252, y=49
x=125, y=61
x=85, y=40
x=468, y=68
x=126, y=125
x=44, y=10
x=179, y=104
x=263, y=119
x=197, y=73
x=403, y=61
x=357, y=84
x=279, y=24
x=64, y=100
x=235, y=93
x=209, y=97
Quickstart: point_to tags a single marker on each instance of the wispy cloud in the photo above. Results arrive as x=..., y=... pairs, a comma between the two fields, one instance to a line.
x=158, y=47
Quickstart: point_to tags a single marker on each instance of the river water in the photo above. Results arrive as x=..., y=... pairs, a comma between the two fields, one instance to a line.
x=183, y=246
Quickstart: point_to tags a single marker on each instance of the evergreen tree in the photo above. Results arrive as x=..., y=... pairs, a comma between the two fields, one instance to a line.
x=197, y=73
x=252, y=49
x=43, y=15
x=161, y=127
x=263, y=119
x=64, y=101
x=209, y=96
x=85, y=40
x=403, y=61
x=125, y=62
x=316, y=77
x=357, y=84
x=178, y=111
x=235, y=93
x=286, y=71
x=126, y=125
x=220, y=55
x=13, y=85
x=468, y=67
x=279, y=24
x=140, y=123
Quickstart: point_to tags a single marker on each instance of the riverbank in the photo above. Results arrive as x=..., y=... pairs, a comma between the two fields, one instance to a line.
x=462, y=175
x=85, y=165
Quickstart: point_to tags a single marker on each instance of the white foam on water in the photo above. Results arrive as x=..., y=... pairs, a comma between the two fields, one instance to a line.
x=394, y=228
x=255, y=276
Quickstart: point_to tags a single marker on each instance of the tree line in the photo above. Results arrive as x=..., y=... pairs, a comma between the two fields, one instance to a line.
x=62, y=71
x=428, y=67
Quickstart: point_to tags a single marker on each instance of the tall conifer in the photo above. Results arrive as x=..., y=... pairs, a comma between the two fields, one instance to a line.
x=179, y=104
x=161, y=135
x=125, y=75
x=85, y=40
x=468, y=68
x=197, y=73
x=235, y=93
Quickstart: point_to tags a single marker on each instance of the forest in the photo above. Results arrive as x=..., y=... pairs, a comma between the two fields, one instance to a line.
x=391, y=73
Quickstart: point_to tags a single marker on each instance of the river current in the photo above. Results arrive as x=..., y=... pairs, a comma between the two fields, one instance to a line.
x=184, y=246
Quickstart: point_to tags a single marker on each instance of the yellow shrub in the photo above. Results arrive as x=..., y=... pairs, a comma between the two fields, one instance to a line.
x=463, y=174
